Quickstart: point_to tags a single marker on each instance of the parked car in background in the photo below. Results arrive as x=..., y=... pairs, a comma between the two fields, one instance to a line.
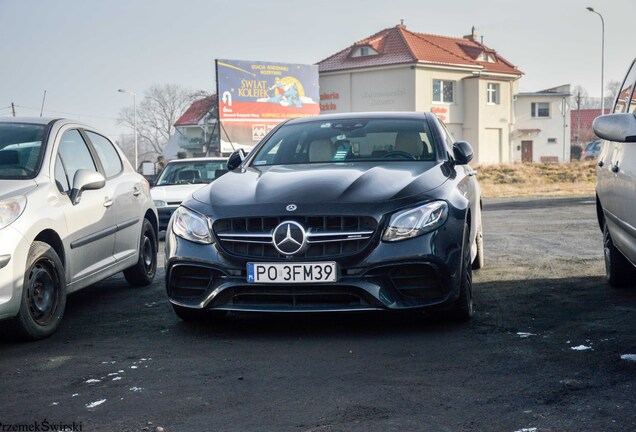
x=616, y=182
x=72, y=212
x=179, y=179
x=591, y=150
x=348, y=212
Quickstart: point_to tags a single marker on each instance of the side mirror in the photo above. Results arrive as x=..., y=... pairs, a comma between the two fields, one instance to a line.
x=616, y=127
x=462, y=152
x=85, y=180
x=236, y=158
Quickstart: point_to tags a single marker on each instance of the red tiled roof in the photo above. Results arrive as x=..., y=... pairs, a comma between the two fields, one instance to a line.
x=197, y=111
x=397, y=45
x=587, y=116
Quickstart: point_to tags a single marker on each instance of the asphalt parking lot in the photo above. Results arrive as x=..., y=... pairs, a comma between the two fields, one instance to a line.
x=547, y=351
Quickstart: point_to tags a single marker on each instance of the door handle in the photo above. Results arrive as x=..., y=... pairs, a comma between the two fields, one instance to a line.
x=136, y=191
x=615, y=168
x=108, y=202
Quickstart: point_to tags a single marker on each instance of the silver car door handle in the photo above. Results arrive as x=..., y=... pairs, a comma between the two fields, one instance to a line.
x=136, y=191
x=108, y=202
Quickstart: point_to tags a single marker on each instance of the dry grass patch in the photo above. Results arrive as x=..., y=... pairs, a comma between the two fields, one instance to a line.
x=575, y=178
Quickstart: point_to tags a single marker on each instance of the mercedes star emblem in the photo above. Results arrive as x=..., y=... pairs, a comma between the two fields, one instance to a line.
x=291, y=207
x=289, y=238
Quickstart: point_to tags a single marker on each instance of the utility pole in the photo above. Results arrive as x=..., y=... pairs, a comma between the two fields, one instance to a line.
x=578, y=118
x=13, y=108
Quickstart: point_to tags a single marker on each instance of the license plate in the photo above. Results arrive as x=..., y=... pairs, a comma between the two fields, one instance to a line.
x=291, y=273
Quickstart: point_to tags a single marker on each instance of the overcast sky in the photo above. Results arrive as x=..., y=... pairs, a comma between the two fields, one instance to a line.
x=82, y=51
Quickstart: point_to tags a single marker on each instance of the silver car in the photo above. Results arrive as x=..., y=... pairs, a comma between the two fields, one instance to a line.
x=72, y=212
x=616, y=184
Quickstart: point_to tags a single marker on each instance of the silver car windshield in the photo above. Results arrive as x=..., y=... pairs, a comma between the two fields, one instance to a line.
x=350, y=140
x=21, y=146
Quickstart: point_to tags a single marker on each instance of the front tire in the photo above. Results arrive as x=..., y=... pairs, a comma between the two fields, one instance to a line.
x=463, y=309
x=618, y=270
x=43, y=295
x=143, y=273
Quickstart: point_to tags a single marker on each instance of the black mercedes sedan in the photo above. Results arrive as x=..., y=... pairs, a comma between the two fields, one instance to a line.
x=343, y=212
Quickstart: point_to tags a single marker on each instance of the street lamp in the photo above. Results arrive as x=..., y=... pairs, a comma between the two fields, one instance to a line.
x=602, y=56
x=134, y=95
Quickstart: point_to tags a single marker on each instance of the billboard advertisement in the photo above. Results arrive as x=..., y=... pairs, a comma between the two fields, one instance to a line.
x=255, y=96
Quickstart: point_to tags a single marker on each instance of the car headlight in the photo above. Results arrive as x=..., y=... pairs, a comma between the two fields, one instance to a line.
x=11, y=209
x=159, y=203
x=415, y=222
x=191, y=226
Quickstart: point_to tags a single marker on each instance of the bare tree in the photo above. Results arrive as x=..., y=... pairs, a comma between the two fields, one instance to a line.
x=581, y=100
x=612, y=88
x=159, y=109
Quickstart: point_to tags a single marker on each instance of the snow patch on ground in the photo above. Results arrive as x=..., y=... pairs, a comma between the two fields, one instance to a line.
x=96, y=403
x=524, y=335
x=581, y=348
x=92, y=381
x=629, y=357
x=527, y=430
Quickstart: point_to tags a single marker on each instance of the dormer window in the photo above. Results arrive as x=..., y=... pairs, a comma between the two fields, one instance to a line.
x=486, y=57
x=364, y=51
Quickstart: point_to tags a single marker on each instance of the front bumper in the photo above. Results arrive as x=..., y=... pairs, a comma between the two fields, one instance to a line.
x=13, y=256
x=411, y=274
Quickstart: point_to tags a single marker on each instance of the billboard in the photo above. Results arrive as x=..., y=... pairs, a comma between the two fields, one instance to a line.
x=255, y=96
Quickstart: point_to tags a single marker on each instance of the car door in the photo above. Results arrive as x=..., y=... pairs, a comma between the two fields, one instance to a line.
x=127, y=196
x=619, y=177
x=91, y=222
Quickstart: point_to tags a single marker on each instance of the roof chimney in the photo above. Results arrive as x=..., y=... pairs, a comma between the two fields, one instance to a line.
x=472, y=36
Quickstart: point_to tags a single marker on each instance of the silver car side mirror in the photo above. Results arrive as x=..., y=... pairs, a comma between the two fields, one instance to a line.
x=616, y=127
x=85, y=180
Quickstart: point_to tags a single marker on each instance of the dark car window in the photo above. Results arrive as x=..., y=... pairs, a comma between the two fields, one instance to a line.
x=21, y=146
x=324, y=141
x=626, y=93
x=107, y=154
x=74, y=154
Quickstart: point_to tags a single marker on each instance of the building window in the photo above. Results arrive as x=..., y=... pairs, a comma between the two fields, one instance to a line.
x=493, y=94
x=443, y=91
x=540, y=109
x=552, y=140
x=363, y=51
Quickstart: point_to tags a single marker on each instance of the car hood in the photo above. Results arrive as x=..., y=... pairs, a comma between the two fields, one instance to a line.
x=11, y=188
x=352, y=183
x=174, y=193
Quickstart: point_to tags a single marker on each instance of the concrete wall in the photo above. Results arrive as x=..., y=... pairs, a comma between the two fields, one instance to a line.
x=383, y=89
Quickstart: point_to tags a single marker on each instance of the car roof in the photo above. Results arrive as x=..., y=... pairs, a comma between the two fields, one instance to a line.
x=30, y=120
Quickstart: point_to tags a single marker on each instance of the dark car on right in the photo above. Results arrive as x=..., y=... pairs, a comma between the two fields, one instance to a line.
x=616, y=184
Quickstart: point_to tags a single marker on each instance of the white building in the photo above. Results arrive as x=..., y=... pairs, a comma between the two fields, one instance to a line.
x=542, y=132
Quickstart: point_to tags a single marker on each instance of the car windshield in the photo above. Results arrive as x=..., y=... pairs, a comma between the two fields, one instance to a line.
x=331, y=141
x=20, y=150
x=191, y=172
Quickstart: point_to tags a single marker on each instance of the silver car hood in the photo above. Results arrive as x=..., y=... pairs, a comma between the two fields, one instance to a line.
x=11, y=188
